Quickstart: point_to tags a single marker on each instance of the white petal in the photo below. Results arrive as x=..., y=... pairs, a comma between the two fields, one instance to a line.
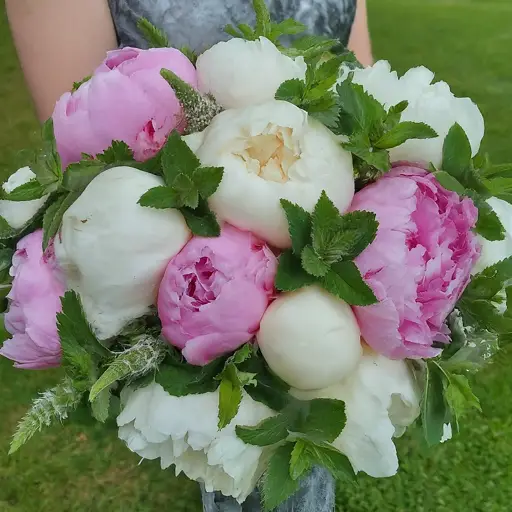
x=114, y=251
x=310, y=339
x=447, y=433
x=271, y=152
x=239, y=73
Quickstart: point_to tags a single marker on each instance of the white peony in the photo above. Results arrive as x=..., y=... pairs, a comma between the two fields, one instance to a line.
x=381, y=399
x=114, y=252
x=18, y=213
x=269, y=152
x=492, y=252
x=433, y=104
x=183, y=431
x=310, y=339
x=240, y=73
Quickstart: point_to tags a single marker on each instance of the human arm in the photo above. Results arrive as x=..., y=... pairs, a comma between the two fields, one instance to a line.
x=59, y=42
x=359, y=41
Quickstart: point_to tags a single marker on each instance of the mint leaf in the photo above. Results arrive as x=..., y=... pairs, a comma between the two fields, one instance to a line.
x=207, y=180
x=299, y=225
x=277, y=484
x=117, y=152
x=331, y=459
x=456, y=151
x=449, y=182
x=488, y=224
x=178, y=158
x=394, y=114
x=299, y=462
x=230, y=398
x=270, y=431
x=160, y=197
x=434, y=410
x=186, y=191
x=403, y=132
x=53, y=216
x=322, y=419
x=290, y=274
x=292, y=91
x=79, y=175
x=26, y=192
x=312, y=263
x=360, y=145
x=201, y=221
x=155, y=37
x=345, y=282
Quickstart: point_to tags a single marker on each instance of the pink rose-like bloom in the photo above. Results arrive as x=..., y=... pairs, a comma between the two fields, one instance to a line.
x=214, y=294
x=34, y=304
x=126, y=99
x=419, y=263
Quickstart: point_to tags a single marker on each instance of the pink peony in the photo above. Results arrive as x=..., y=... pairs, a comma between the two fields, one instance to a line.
x=419, y=263
x=214, y=294
x=34, y=303
x=126, y=99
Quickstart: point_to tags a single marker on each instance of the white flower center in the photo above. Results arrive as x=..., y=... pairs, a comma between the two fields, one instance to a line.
x=271, y=153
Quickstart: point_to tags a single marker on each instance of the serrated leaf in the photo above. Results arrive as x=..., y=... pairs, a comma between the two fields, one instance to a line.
x=27, y=192
x=101, y=405
x=178, y=158
x=322, y=419
x=449, y=182
x=433, y=406
x=6, y=231
x=299, y=462
x=263, y=21
x=47, y=166
x=116, y=153
x=312, y=263
x=459, y=396
x=488, y=223
x=53, y=216
x=345, y=282
x=79, y=175
x=139, y=360
x=207, y=180
x=270, y=431
x=489, y=282
x=153, y=35
x=331, y=459
x=394, y=114
x=286, y=27
x=484, y=315
x=160, y=197
x=241, y=355
x=201, y=220
x=186, y=191
x=299, y=225
x=292, y=90
x=456, y=151
x=277, y=483
x=230, y=398
x=360, y=146
x=77, y=85
x=403, y=132
x=290, y=274
x=310, y=46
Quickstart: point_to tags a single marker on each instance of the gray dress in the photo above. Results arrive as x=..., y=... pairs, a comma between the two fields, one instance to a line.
x=199, y=24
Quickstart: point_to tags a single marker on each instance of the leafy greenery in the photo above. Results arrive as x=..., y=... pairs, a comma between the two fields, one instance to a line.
x=323, y=246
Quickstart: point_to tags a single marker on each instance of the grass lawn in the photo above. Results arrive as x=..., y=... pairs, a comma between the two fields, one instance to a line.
x=83, y=468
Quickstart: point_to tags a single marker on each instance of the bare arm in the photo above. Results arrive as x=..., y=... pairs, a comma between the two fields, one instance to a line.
x=59, y=42
x=359, y=41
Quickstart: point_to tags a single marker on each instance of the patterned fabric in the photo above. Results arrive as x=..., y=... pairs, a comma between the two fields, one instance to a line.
x=199, y=23
x=316, y=494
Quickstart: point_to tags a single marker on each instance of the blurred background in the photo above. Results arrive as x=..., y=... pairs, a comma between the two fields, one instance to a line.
x=83, y=467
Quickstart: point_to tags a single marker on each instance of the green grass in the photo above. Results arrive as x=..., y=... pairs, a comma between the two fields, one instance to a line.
x=83, y=468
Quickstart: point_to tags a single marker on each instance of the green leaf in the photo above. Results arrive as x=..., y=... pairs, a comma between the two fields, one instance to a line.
x=155, y=37
x=290, y=274
x=160, y=197
x=178, y=158
x=137, y=361
x=286, y=27
x=263, y=21
x=459, y=396
x=230, y=398
x=310, y=46
x=77, y=85
x=489, y=282
x=207, y=180
x=312, y=263
x=449, y=182
x=101, y=405
x=53, y=216
x=456, y=151
x=292, y=90
x=47, y=166
x=118, y=152
x=270, y=431
x=345, y=282
x=331, y=459
x=433, y=405
x=394, y=114
x=79, y=175
x=277, y=483
x=6, y=231
x=360, y=146
x=242, y=354
x=488, y=224
x=322, y=419
x=299, y=225
x=186, y=191
x=201, y=220
x=403, y=132
x=299, y=462
x=27, y=192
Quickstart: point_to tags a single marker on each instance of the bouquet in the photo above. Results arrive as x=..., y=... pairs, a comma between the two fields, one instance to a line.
x=258, y=260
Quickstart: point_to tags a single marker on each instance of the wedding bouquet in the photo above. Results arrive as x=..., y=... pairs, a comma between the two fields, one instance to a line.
x=258, y=260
